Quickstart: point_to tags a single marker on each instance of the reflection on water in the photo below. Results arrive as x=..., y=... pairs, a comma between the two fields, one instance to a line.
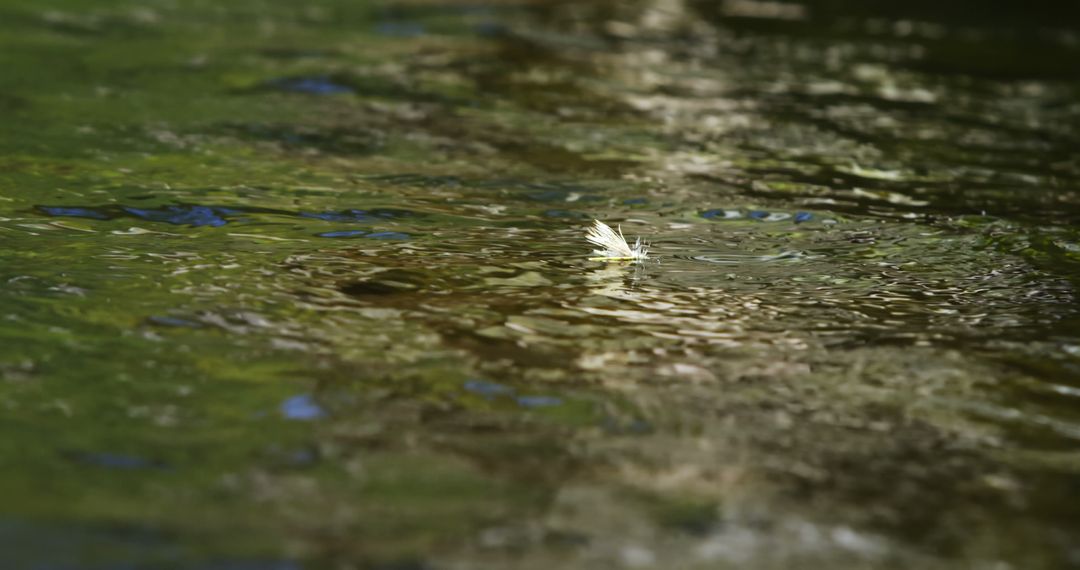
x=305, y=286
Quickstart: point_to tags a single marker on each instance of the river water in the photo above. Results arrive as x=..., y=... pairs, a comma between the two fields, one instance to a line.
x=304, y=285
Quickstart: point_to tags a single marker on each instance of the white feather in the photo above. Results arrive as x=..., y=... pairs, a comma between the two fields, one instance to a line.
x=613, y=245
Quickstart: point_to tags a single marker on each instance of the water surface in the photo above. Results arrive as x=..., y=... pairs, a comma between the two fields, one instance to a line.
x=304, y=285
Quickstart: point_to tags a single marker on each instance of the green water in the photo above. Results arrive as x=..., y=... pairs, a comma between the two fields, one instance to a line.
x=304, y=285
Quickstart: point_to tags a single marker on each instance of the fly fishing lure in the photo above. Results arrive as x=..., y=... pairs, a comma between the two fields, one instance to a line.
x=613, y=244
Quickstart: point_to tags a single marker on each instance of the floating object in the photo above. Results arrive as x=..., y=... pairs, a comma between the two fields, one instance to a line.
x=613, y=245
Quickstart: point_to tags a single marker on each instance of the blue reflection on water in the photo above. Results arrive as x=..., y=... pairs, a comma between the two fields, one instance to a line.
x=343, y=234
x=73, y=212
x=721, y=214
x=217, y=216
x=183, y=215
x=487, y=389
x=302, y=407
x=760, y=215
x=491, y=390
x=317, y=85
x=539, y=401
